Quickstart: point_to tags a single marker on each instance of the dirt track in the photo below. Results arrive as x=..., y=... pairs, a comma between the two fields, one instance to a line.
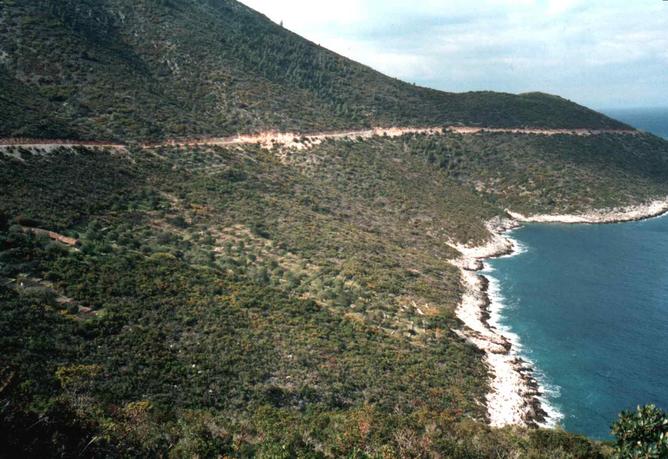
x=72, y=242
x=270, y=139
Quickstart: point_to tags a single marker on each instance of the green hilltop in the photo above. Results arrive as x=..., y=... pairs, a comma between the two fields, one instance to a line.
x=240, y=301
x=150, y=69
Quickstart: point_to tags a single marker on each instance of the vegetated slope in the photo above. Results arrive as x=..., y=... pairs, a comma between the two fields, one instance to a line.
x=270, y=303
x=23, y=111
x=148, y=69
x=558, y=174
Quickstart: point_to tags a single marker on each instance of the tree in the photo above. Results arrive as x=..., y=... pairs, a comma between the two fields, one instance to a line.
x=641, y=434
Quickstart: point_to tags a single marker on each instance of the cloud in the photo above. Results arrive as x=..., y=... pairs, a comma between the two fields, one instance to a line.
x=597, y=52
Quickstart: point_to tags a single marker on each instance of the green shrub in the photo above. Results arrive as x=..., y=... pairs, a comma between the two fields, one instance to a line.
x=39, y=295
x=641, y=434
x=27, y=221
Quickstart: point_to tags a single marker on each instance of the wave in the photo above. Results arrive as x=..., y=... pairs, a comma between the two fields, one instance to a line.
x=499, y=305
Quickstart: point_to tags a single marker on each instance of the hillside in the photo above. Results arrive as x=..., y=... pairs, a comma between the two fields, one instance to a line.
x=272, y=303
x=277, y=297
x=150, y=69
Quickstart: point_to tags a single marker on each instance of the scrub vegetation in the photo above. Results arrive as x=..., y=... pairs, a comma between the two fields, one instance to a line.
x=246, y=302
x=150, y=69
x=255, y=302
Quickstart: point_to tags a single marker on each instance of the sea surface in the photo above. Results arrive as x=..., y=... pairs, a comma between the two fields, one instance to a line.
x=588, y=305
x=654, y=120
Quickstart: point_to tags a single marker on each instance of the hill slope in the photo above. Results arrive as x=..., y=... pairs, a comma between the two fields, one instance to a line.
x=247, y=302
x=273, y=303
x=238, y=300
x=149, y=69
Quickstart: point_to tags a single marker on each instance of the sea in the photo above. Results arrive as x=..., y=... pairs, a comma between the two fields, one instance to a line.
x=654, y=120
x=588, y=306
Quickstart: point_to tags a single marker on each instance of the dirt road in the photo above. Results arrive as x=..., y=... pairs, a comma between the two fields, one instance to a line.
x=270, y=139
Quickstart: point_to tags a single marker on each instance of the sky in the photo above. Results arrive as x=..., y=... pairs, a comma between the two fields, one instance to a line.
x=601, y=53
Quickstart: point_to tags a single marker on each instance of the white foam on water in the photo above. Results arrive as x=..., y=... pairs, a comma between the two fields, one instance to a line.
x=498, y=305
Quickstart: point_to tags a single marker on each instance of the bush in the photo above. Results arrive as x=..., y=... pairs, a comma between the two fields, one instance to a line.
x=641, y=434
x=54, y=248
x=39, y=295
x=27, y=221
x=178, y=221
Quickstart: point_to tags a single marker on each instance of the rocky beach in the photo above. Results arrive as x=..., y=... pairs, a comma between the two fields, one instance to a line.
x=515, y=394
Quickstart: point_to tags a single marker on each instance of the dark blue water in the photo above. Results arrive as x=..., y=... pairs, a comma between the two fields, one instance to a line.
x=590, y=306
x=654, y=120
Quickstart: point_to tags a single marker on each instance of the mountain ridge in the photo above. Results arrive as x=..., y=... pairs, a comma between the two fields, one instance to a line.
x=215, y=67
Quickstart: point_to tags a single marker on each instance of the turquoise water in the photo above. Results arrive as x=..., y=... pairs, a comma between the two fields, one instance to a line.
x=589, y=304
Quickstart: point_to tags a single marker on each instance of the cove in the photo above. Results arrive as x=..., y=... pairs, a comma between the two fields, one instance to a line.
x=588, y=306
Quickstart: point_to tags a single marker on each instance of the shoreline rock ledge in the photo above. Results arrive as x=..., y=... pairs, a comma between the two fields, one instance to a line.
x=515, y=394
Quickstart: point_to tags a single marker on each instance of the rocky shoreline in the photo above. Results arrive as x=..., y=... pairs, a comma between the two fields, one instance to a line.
x=652, y=209
x=515, y=394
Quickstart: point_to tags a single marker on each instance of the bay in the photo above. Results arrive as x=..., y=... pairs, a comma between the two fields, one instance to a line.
x=589, y=305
